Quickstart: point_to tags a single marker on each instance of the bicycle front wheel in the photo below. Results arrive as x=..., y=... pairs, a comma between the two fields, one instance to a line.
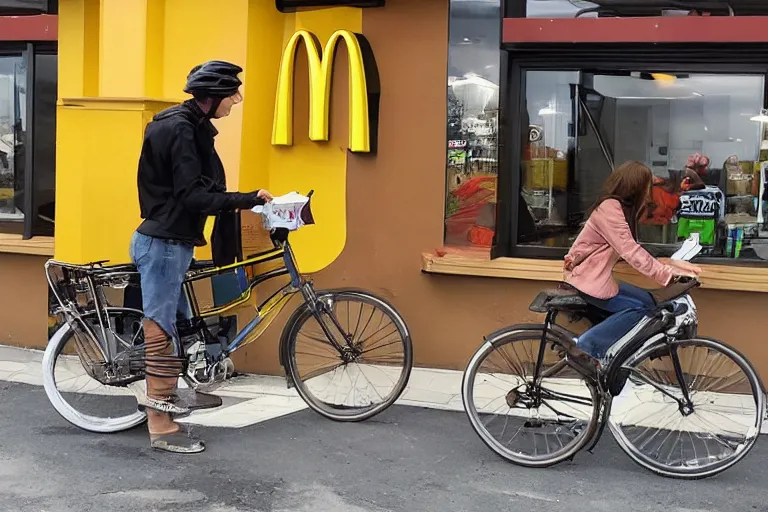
x=533, y=419
x=370, y=371
x=655, y=426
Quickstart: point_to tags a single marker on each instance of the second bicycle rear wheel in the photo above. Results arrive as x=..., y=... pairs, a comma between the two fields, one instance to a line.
x=374, y=368
x=530, y=422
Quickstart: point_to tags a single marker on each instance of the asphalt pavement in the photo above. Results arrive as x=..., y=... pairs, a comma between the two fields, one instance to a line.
x=405, y=459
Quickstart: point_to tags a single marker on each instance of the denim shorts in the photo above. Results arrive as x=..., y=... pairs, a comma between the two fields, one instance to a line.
x=162, y=265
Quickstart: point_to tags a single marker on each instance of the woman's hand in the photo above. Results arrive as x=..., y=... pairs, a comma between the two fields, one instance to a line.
x=685, y=268
x=264, y=194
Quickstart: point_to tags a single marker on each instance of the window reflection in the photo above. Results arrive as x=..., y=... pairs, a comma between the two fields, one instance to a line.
x=12, y=130
x=558, y=8
x=473, y=101
x=702, y=135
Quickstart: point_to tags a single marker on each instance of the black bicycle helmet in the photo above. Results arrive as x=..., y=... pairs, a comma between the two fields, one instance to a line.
x=214, y=79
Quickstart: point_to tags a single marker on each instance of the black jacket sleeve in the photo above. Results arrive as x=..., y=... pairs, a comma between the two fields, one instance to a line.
x=197, y=192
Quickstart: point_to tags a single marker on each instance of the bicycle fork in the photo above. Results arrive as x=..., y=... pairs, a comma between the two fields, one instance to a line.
x=320, y=309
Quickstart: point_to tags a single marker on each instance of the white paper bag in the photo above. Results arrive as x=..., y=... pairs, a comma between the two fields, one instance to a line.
x=290, y=211
x=690, y=248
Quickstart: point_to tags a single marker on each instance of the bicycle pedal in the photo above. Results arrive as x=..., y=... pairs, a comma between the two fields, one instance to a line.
x=193, y=400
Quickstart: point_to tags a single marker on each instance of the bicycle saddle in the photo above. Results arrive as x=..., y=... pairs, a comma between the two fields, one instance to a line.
x=563, y=298
x=200, y=264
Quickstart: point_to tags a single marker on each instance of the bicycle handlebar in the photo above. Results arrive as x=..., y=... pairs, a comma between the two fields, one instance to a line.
x=685, y=279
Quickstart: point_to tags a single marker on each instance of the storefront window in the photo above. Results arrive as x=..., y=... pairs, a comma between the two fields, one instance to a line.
x=702, y=135
x=13, y=121
x=558, y=8
x=473, y=102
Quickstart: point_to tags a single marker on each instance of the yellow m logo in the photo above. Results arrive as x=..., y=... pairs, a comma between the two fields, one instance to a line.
x=363, y=90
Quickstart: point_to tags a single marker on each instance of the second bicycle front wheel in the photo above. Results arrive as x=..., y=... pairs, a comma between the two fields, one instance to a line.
x=671, y=436
x=371, y=371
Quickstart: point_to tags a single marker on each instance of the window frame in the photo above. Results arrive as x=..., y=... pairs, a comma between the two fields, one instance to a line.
x=30, y=225
x=27, y=51
x=708, y=59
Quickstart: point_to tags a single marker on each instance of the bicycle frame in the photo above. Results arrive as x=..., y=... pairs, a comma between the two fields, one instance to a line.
x=648, y=336
x=272, y=305
x=92, y=277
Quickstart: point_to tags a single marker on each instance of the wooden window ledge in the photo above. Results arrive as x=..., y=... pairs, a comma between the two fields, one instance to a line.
x=38, y=246
x=476, y=262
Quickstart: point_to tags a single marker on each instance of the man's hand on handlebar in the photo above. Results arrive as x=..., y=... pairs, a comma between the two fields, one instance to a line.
x=265, y=195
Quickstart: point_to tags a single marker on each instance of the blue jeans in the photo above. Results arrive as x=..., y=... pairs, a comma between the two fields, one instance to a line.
x=628, y=308
x=162, y=265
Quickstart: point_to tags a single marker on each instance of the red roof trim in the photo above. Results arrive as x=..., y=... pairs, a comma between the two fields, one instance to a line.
x=43, y=27
x=673, y=29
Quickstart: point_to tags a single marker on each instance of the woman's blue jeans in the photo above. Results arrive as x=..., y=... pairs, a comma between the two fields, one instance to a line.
x=628, y=308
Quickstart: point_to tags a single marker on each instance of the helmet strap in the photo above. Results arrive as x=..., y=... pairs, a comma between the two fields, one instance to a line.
x=215, y=102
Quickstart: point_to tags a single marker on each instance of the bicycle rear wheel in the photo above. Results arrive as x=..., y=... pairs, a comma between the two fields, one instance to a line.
x=372, y=370
x=652, y=425
x=530, y=423
x=75, y=394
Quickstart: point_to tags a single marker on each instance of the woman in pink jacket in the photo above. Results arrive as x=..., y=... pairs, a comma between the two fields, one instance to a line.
x=610, y=234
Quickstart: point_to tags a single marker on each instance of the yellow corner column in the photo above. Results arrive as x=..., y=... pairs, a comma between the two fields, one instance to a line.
x=103, y=109
x=122, y=61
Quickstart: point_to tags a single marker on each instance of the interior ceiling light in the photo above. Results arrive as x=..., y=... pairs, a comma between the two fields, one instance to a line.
x=548, y=111
x=664, y=77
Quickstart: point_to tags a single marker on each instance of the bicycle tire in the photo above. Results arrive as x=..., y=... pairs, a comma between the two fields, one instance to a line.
x=81, y=420
x=758, y=396
x=505, y=337
x=347, y=414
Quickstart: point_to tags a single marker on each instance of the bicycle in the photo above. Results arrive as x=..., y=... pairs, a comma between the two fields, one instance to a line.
x=106, y=356
x=679, y=405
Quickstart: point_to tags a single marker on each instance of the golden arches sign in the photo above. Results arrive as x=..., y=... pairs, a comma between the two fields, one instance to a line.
x=363, y=90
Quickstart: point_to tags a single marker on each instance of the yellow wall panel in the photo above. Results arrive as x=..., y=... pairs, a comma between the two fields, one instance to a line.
x=69, y=187
x=122, y=48
x=308, y=165
x=193, y=36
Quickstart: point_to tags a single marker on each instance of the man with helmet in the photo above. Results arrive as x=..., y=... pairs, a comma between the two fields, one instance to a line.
x=181, y=182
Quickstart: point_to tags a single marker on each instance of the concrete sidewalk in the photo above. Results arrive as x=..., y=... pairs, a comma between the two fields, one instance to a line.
x=252, y=398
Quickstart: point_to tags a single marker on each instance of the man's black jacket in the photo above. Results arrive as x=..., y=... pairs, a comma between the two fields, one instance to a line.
x=181, y=182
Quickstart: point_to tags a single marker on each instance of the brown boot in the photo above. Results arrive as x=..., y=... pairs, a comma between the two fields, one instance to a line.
x=163, y=368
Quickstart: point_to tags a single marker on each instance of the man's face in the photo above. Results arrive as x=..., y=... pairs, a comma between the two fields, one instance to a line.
x=225, y=107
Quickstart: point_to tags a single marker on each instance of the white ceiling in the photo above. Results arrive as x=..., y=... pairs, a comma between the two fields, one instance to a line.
x=738, y=87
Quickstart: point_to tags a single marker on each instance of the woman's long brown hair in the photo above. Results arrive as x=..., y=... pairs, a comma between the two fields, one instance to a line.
x=630, y=184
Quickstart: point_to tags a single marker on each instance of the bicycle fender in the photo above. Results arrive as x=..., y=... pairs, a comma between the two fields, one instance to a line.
x=554, y=330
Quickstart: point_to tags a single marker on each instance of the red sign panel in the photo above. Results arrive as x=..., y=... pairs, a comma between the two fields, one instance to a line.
x=672, y=29
x=43, y=27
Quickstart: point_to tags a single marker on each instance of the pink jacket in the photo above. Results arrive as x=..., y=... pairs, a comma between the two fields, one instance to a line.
x=605, y=239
